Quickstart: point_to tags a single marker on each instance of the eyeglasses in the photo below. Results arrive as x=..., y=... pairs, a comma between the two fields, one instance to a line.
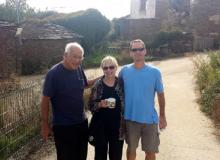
x=137, y=49
x=108, y=67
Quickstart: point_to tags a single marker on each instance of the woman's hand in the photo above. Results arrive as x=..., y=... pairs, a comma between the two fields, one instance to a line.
x=103, y=104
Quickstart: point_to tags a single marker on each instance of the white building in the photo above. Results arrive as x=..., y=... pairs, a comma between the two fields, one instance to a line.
x=142, y=9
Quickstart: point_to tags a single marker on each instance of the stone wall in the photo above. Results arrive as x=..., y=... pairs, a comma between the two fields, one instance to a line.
x=161, y=10
x=9, y=56
x=206, y=19
x=145, y=29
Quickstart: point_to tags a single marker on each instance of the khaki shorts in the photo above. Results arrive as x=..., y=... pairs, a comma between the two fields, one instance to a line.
x=147, y=132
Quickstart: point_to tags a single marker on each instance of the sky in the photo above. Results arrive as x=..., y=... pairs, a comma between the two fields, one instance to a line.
x=109, y=8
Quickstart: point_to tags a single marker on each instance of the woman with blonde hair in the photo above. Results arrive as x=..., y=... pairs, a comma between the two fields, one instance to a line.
x=106, y=103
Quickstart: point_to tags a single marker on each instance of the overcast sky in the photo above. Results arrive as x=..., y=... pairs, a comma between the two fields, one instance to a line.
x=109, y=8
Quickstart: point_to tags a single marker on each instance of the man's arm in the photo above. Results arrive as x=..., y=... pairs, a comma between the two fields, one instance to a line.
x=91, y=82
x=45, y=128
x=162, y=115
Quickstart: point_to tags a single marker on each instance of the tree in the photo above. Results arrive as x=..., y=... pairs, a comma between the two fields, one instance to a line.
x=8, y=10
x=91, y=24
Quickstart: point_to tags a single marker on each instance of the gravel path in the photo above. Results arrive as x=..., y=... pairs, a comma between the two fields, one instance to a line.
x=190, y=135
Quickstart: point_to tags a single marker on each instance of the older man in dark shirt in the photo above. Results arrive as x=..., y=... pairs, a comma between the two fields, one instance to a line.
x=64, y=86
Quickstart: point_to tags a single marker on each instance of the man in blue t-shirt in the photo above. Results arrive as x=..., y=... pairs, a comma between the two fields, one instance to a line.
x=63, y=87
x=141, y=82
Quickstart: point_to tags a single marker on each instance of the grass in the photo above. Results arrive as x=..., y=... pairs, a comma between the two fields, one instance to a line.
x=22, y=120
x=14, y=139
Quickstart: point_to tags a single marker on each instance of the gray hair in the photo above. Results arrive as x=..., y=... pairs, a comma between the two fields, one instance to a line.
x=71, y=45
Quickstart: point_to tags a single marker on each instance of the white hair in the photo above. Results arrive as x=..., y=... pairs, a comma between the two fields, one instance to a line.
x=71, y=45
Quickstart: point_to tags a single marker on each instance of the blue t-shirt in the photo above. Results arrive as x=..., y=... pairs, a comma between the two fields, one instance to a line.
x=65, y=89
x=140, y=86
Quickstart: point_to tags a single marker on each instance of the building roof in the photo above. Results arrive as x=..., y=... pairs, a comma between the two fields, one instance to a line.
x=6, y=24
x=40, y=30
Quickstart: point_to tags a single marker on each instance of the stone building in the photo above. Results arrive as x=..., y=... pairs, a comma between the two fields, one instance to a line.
x=206, y=21
x=181, y=6
x=142, y=9
x=129, y=29
x=10, y=66
x=145, y=27
x=199, y=18
x=43, y=45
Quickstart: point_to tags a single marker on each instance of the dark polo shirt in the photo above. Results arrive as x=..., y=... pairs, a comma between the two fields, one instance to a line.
x=65, y=88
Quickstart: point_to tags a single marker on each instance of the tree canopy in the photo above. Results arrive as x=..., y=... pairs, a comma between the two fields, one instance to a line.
x=91, y=24
x=8, y=10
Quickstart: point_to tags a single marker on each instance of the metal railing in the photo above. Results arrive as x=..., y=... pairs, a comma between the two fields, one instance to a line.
x=19, y=117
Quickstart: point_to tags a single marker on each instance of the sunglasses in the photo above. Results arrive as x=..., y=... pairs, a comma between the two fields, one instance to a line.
x=108, y=67
x=137, y=49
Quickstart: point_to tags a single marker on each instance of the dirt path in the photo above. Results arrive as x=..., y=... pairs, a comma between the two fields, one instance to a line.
x=189, y=135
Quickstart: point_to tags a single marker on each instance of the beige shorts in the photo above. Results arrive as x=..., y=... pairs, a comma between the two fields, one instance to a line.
x=147, y=132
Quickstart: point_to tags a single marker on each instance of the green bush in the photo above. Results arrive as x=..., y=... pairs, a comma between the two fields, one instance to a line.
x=91, y=24
x=94, y=60
x=207, y=74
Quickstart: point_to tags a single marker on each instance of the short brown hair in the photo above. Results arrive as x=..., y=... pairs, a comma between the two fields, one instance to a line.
x=137, y=41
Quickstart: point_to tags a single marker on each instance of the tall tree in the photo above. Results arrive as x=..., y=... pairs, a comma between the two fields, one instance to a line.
x=90, y=23
x=11, y=10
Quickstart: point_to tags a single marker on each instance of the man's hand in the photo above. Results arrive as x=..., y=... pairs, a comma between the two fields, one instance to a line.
x=162, y=122
x=162, y=118
x=45, y=130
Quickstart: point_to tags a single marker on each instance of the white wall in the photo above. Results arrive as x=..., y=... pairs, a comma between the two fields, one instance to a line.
x=135, y=9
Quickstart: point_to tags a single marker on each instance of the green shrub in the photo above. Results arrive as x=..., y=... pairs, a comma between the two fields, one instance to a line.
x=91, y=24
x=123, y=57
x=94, y=60
x=207, y=74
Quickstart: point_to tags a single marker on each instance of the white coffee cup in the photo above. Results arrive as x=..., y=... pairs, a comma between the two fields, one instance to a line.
x=111, y=102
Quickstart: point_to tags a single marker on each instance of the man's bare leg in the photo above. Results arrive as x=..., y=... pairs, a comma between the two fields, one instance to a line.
x=150, y=156
x=131, y=155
